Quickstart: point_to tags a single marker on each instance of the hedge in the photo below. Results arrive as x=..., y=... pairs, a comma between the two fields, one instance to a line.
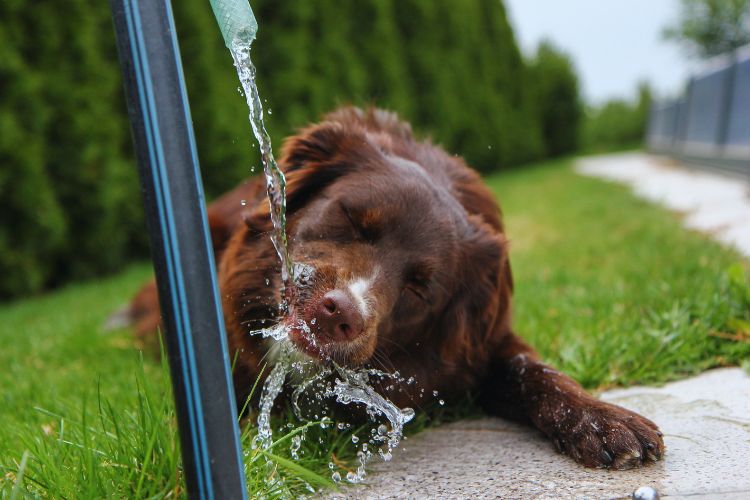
x=70, y=204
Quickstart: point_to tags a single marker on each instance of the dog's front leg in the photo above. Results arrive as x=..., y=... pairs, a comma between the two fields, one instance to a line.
x=594, y=433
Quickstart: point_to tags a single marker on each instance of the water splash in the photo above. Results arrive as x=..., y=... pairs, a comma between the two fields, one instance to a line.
x=347, y=386
x=319, y=386
x=271, y=390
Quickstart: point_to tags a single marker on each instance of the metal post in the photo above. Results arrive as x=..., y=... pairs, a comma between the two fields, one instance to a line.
x=181, y=248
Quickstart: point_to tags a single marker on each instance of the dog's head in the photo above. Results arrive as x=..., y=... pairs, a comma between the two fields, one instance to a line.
x=388, y=254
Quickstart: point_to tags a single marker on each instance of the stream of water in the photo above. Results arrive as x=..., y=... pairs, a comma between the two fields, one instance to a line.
x=318, y=384
x=275, y=180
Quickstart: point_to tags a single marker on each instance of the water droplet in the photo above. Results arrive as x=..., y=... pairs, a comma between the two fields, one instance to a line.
x=355, y=439
x=294, y=448
x=382, y=429
x=441, y=402
x=243, y=202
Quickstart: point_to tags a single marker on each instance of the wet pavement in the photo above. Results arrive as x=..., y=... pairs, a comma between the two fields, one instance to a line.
x=713, y=203
x=705, y=420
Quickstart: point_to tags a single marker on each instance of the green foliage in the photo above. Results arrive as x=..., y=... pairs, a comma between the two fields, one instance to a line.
x=32, y=226
x=711, y=27
x=70, y=204
x=68, y=194
x=439, y=64
x=129, y=448
x=84, y=415
x=220, y=118
x=556, y=99
x=617, y=124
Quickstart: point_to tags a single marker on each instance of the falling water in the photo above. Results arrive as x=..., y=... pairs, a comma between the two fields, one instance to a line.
x=275, y=181
x=330, y=382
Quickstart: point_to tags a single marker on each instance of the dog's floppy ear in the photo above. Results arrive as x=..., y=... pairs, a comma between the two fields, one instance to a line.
x=322, y=143
x=312, y=160
x=318, y=155
x=481, y=309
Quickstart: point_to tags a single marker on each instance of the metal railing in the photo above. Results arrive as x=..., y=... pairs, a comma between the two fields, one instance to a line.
x=710, y=123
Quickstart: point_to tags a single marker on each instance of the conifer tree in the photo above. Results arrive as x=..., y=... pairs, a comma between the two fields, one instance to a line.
x=70, y=204
x=379, y=46
x=82, y=135
x=556, y=99
x=32, y=227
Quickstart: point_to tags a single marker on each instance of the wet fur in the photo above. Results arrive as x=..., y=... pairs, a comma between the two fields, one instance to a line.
x=463, y=342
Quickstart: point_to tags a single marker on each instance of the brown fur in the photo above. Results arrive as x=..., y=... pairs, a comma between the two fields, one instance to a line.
x=364, y=195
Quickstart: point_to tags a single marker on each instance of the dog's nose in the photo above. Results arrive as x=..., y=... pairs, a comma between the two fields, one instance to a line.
x=338, y=317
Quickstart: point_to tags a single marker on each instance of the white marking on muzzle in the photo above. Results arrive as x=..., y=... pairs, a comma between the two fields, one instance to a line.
x=359, y=288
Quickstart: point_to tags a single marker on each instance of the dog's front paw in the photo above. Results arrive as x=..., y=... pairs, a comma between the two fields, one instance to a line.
x=598, y=434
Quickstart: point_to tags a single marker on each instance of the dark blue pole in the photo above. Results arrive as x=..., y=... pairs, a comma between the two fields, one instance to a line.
x=181, y=248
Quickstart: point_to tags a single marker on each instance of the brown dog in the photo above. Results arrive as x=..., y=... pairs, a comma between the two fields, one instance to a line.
x=409, y=269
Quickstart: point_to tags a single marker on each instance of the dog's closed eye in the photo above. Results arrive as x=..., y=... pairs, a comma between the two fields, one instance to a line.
x=365, y=223
x=417, y=281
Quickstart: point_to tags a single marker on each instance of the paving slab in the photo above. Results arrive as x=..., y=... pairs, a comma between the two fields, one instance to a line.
x=706, y=425
x=716, y=204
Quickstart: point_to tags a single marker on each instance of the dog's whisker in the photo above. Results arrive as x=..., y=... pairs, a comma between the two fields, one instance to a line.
x=396, y=344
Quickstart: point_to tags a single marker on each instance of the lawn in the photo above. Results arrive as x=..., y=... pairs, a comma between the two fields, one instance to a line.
x=608, y=287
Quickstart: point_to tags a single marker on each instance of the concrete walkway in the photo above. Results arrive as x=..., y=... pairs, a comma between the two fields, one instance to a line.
x=711, y=202
x=706, y=425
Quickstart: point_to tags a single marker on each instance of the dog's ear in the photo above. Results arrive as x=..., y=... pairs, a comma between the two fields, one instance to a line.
x=319, y=144
x=481, y=310
x=318, y=155
x=312, y=160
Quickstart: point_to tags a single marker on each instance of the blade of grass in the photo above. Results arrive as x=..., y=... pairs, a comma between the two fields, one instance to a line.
x=303, y=472
x=17, y=484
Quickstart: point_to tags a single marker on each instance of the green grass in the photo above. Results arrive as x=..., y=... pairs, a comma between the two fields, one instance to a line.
x=608, y=287
x=611, y=289
x=85, y=415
